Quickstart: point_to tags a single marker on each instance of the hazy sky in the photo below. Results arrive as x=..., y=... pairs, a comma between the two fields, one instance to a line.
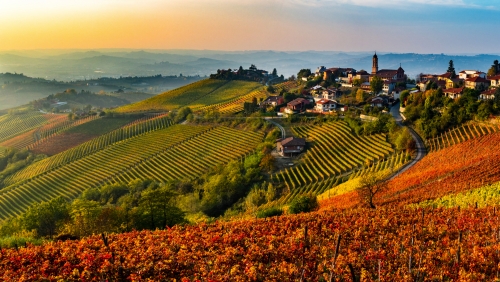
x=424, y=26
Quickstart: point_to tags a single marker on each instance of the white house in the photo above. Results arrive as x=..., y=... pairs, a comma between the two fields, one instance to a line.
x=325, y=105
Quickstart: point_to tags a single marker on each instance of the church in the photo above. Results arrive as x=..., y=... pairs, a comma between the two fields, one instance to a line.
x=386, y=74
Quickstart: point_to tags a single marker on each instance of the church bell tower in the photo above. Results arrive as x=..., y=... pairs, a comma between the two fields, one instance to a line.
x=375, y=64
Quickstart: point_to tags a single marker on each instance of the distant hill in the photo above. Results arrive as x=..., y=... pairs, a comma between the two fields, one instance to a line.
x=18, y=89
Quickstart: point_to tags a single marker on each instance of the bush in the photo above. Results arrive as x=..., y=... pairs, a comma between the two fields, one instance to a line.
x=303, y=203
x=269, y=212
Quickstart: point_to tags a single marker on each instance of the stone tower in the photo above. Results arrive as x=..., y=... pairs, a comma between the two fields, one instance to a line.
x=375, y=64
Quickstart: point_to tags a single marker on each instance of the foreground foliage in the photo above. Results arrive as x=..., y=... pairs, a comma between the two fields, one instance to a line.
x=390, y=244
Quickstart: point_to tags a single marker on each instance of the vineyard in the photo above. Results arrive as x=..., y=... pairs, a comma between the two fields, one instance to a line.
x=196, y=95
x=87, y=148
x=12, y=125
x=236, y=105
x=468, y=165
x=335, y=153
x=460, y=134
x=178, y=152
x=385, y=244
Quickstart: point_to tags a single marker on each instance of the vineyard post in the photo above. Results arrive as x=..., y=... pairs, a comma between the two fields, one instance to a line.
x=458, y=249
x=335, y=255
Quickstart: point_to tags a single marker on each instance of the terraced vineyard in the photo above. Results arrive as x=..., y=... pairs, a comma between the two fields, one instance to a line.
x=177, y=152
x=335, y=151
x=87, y=148
x=236, y=105
x=12, y=125
x=460, y=134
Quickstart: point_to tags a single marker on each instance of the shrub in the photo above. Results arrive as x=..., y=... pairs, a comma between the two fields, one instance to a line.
x=269, y=212
x=303, y=203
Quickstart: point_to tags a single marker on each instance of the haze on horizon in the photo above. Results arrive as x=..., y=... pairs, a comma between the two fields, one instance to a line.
x=420, y=26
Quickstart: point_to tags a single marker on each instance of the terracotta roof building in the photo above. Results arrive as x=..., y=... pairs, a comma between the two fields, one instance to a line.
x=291, y=145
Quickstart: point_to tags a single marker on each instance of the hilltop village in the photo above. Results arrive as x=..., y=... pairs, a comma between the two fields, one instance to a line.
x=330, y=90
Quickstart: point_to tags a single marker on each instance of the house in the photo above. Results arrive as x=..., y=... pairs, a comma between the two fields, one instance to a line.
x=453, y=82
x=365, y=86
x=319, y=71
x=488, y=94
x=388, y=86
x=296, y=106
x=445, y=76
x=425, y=77
x=378, y=101
x=495, y=80
x=362, y=75
x=291, y=145
x=477, y=82
x=465, y=74
x=272, y=101
x=453, y=93
x=331, y=93
x=325, y=105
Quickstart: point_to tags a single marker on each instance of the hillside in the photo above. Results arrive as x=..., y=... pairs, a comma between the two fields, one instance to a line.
x=195, y=95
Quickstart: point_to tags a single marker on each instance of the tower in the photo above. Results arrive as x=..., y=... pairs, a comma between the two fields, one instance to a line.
x=375, y=64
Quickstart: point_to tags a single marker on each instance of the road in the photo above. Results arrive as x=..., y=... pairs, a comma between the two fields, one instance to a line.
x=282, y=129
x=421, y=151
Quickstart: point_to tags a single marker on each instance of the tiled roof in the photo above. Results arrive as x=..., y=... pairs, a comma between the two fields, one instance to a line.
x=325, y=101
x=297, y=102
x=292, y=141
x=477, y=79
x=454, y=90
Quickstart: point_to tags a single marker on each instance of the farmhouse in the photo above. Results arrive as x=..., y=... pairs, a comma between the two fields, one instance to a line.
x=477, y=82
x=272, y=101
x=291, y=145
x=296, y=106
x=488, y=94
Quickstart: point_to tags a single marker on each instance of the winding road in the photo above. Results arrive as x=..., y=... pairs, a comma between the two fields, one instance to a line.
x=421, y=151
x=282, y=129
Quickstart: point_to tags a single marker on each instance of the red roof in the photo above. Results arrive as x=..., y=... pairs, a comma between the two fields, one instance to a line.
x=489, y=92
x=325, y=101
x=454, y=90
x=298, y=101
x=445, y=75
x=477, y=79
x=495, y=77
x=292, y=141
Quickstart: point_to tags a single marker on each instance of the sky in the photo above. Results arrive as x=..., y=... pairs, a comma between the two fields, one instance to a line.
x=420, y=26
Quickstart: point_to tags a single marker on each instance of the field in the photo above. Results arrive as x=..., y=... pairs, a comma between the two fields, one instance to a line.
x=334, y=154
x=176, y=152
x=15, y=124
x=468, y=165
x=460, y=134
x=196, y=95
x=385, y=244
x=236, y=105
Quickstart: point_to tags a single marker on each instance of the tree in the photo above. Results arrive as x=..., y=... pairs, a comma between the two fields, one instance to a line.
x=403, y=96
x=360, y=95
x=451, y=69
x=46, y=217
x=156, y=205
x=240, y=71
x=495, y=69
x=275, y=72
x=303, y=203
x=376, y=84
x=356, y=82
x=369, y=186
x=304, y=73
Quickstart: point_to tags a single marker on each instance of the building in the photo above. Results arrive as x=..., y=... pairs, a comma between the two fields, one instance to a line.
x=273, y=101
x=379, y=101
x=388, y=86
x=296, y=106
x=488, y=94
x=465, y=74
x=331, y=93
x=325, y=105
x=453, y=93
x=290, y=146
x=387, y=74
x=495, y=80
x=477, y=82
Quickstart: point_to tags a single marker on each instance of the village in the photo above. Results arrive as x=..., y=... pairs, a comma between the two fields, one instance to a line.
x=381, y=88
